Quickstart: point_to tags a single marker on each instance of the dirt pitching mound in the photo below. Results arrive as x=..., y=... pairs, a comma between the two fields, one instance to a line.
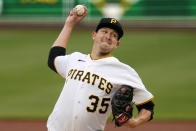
x=29, y=125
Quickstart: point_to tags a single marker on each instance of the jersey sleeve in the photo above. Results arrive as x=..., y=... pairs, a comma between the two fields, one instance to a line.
x=140, y=94
x=61, y=63
x=129, y=76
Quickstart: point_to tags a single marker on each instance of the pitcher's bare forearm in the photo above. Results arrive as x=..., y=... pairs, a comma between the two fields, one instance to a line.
x=63, y=37
x=143, y=116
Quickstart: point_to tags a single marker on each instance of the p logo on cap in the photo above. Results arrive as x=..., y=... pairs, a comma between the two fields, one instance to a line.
x=113, y=20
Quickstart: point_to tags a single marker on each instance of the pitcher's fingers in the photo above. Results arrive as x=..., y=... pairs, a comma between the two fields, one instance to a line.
x=85, y=10
x=71, y=13
x=74, y=11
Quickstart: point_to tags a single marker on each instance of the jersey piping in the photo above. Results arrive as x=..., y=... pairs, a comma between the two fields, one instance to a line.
x=99, y=58
x=57, y=70
x=145, y=101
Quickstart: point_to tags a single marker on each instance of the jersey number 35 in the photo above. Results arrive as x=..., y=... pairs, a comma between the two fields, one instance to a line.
x=95, y=104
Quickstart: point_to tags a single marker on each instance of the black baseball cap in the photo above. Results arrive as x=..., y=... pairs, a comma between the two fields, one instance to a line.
x=111, y=23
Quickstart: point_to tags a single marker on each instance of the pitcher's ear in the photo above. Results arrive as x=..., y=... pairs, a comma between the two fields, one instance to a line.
x=93, y=35
x=118, y=44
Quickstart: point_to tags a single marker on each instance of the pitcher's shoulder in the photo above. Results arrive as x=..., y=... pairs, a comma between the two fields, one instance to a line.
x=120, y=63
x=78, y=55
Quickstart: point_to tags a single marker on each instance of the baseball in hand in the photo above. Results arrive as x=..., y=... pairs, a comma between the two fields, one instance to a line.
x=80, y=9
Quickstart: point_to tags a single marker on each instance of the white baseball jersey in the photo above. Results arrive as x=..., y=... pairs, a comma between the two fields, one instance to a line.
x=85, y=101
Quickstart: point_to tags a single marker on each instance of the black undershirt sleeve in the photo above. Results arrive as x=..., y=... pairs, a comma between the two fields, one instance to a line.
x=54, y=52
x=148, y=106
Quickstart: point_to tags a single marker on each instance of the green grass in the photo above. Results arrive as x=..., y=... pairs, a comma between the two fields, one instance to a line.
x=165, y=60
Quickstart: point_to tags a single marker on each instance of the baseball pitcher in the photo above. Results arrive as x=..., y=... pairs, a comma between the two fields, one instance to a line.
x=96, y=84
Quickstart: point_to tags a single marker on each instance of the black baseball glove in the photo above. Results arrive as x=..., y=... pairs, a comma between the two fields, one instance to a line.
x=121, y=105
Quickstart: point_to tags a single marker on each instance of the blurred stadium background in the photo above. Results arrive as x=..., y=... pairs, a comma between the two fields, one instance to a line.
x=160, y=43
x=134, y=13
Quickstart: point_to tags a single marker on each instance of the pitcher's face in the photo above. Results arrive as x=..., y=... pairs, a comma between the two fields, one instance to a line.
x=105, y=40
